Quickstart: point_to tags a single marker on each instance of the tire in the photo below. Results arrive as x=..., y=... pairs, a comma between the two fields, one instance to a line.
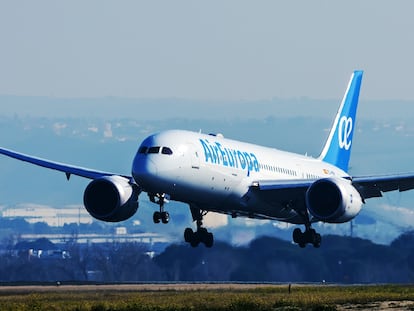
x=156, y=217
x=317, y=240
x=297, y=236
x=195, y=240
x=209, y=240
x=188, y=235
x=165, y=217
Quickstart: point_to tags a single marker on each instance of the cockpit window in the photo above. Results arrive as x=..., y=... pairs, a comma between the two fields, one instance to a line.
x=166, y=150
x=142, y=149
x=154, y=149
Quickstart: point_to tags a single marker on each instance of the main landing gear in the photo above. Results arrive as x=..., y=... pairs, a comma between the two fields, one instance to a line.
x=162, y=215
x=310, y=236
x=201, y=235
x=194, y=238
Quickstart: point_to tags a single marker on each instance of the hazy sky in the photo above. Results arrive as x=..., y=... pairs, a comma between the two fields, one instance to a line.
x=206, y=50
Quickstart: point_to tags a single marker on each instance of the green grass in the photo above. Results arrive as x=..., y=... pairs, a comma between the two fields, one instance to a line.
x=264, y=298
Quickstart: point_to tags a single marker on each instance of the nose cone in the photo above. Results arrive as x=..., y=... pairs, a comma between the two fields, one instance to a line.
x=144, y=170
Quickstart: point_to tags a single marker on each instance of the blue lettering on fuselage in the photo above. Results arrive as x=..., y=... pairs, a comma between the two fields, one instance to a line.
x=216, y=153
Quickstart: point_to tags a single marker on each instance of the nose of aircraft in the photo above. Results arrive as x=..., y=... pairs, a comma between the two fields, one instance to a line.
x=144, y=170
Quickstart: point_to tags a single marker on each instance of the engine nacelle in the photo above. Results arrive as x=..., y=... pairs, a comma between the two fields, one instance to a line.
x=111, y=198
x=333, y=200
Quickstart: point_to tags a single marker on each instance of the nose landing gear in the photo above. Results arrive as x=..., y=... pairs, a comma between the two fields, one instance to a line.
x=162, y=215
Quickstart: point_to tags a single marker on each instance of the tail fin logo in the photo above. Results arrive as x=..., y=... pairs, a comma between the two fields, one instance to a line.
x=344, y=133
x=337, y=149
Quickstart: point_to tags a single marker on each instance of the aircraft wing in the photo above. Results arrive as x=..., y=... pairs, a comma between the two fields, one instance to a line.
x=280, y=191
x=65, y=168
x=373, y=186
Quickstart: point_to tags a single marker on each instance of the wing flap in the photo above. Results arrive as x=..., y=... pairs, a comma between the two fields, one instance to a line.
x=374, y=186
x=66, y=168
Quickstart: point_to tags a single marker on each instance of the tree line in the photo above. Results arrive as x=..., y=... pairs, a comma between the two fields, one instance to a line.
x=266, y=259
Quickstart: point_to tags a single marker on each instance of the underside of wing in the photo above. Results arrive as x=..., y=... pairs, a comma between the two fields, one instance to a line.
x=374, y=186
x=65, y=168
x=283, y=193
x=331, y=200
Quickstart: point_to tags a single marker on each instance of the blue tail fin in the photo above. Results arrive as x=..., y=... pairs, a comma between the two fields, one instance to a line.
x=337, y=150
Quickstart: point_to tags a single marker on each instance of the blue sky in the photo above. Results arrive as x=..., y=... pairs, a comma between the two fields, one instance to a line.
x=226, y=50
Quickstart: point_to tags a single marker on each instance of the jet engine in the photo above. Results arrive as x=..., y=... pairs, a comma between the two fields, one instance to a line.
x=333, y=200
x=111, y=198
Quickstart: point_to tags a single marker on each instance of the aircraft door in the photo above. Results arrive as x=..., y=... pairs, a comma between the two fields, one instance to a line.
x=300, y=172
x=194, y=156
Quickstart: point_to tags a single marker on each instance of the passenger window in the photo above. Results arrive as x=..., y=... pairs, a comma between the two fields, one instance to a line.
x=166, y=150
x=154, y=150
x=142, y=149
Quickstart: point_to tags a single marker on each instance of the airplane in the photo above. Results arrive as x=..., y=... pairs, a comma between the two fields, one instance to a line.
x=211, y=173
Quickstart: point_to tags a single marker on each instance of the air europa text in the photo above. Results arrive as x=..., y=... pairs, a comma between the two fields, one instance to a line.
x=218, y=154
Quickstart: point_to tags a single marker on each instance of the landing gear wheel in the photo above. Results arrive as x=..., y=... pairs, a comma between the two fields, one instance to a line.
x=297, y=235
x=199, y=236
x=195, y=241
x=156, y=217
x=310, y=236
x=205, y=237
x=162, y=215
x=191, y=237
x=209, y=240
x=317, y=239
x=299, y=238
x=165, y=217
x=188, y=235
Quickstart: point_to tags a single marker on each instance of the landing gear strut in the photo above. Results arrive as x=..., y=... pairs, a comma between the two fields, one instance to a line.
x=201, y=235
x=162, y=215
x=310, y=236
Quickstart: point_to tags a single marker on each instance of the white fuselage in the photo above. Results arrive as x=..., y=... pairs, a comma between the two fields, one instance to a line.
x=215, y=173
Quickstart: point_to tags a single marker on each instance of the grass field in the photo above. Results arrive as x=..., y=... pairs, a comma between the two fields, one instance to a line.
x=206, y=297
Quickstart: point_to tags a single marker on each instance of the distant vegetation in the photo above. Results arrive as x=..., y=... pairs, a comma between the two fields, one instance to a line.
x=266, y=259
